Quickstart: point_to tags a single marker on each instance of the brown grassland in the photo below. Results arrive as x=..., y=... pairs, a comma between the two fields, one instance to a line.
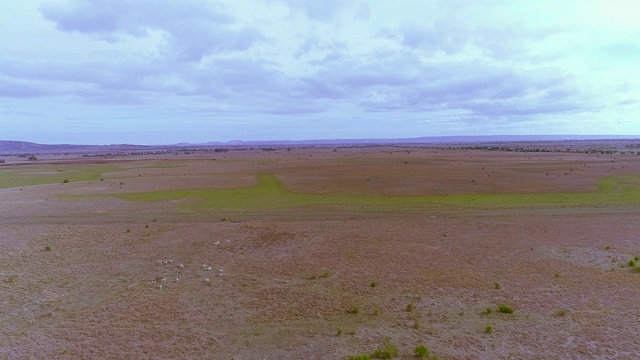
x=311, y=253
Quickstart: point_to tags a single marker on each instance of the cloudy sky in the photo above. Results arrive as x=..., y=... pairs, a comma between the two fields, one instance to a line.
x=168, y=71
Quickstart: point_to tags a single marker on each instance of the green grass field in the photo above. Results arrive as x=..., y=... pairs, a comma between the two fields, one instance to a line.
x=28, y=175
x=270, y=193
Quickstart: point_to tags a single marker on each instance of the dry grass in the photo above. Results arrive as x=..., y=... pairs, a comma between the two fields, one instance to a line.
x=103, y=292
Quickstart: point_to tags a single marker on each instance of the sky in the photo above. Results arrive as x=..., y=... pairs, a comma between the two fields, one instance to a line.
x=172, y=71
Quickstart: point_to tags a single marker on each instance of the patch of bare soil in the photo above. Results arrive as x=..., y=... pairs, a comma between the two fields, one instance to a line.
x=106, y=278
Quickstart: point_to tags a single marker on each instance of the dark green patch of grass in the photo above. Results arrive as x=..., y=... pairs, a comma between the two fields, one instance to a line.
x=374, y=284
x=269, y=193
x=410, y=307
x=27, y=175
x=505, y=309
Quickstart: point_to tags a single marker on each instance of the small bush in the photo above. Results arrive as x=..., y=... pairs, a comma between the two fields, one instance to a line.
x=388, y=351
x=339, y=332
x=376, y=311
x=410, y=307
x=128, y=230
x=374, y=284
x=497, y=286
x=359, y=357
x=562, y=312
x=488, y=329
x=416, y=324
x=313, y=276
x=488, y=311
x=505, y=309
x=325, y=274
x=632, y=263
x=353, y=310
x=47, y=248
x=65, y=181
x=421, y=351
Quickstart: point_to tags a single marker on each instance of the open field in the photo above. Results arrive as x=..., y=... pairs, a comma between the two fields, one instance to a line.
x=321, y=253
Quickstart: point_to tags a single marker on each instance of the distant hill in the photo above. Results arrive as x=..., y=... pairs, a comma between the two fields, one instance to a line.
x=425, y=140
x=23, y=147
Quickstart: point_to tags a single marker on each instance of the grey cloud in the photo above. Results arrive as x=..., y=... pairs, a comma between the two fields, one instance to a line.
x=194, y=28
x=17, y=88
x=404, y=83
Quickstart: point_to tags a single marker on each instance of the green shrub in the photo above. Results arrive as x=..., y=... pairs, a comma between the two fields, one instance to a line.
x=497, y=286
x=353, y=310
x=65, y=181
x=359, y=357
x=388, y=351
x=410, y=307
x=421, y=351
x=505, y=309
x=488, y=311
x=374, y=284
x=47, y=248
x=488, y=329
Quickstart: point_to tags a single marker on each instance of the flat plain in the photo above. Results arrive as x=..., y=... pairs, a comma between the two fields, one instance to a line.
x=321, y=253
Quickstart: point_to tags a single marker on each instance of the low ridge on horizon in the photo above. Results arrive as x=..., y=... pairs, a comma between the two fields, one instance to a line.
x=13, y=144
